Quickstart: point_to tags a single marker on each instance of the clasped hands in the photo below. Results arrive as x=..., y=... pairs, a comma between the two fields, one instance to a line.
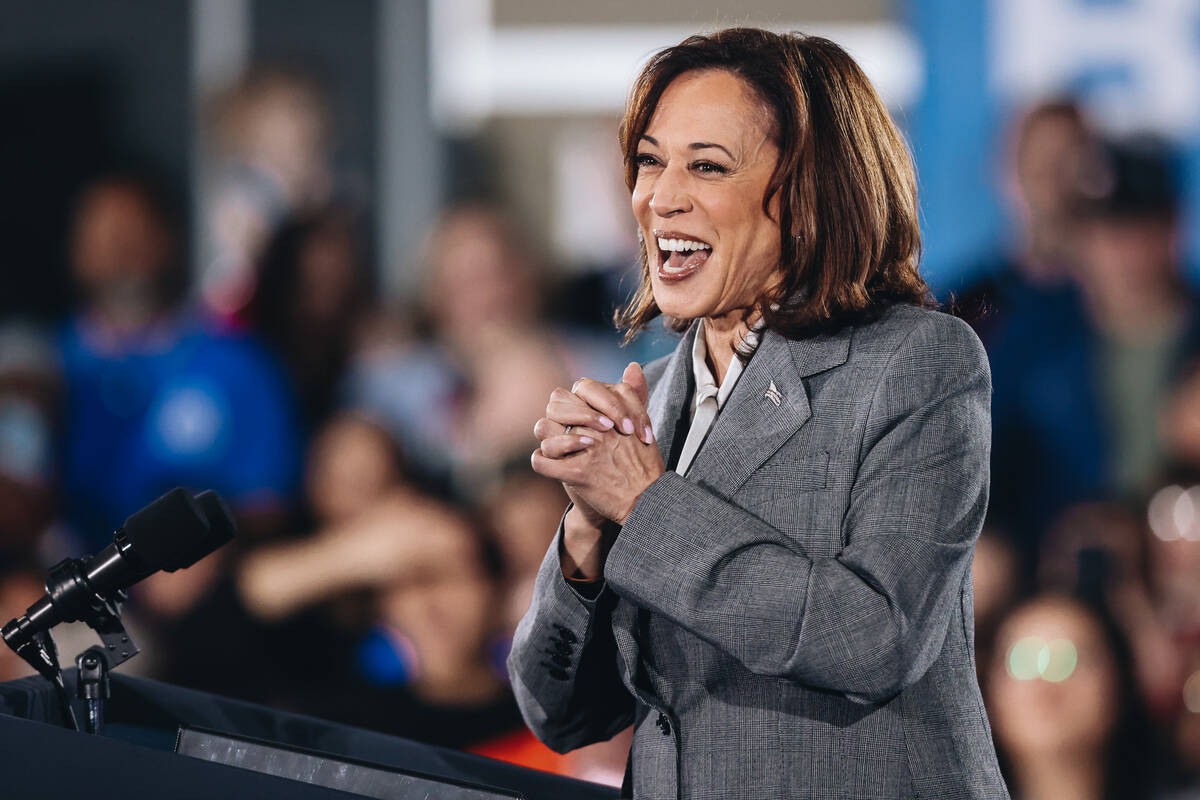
x=597, y=439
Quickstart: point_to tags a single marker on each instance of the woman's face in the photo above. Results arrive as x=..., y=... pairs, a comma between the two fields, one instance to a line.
x=704, y=164
x=1052, y=687
x=351, y=466
x=479, y=281
x=447, y=611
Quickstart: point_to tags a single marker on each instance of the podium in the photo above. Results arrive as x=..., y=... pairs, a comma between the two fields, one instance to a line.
x=136, y=756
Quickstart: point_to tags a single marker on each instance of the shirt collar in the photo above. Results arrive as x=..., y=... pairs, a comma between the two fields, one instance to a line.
x=706, y=384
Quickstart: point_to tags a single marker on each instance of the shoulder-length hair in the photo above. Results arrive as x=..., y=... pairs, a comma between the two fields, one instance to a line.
x=849, y=235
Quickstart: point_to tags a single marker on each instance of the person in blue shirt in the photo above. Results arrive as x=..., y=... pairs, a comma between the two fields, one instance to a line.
x=155, y=394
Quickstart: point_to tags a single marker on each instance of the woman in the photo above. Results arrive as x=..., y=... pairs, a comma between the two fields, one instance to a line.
x=765, y=568
x=1068, y=715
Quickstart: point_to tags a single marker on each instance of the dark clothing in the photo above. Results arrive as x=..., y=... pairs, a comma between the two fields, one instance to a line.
x=1056, y=424
x=397, y=711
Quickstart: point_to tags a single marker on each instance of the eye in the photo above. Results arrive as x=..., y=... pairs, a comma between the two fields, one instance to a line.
x=643, y=160
x=709, y=168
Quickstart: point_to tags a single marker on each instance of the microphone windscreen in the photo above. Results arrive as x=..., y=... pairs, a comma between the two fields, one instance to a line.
x=169, y=532
x=221, y=527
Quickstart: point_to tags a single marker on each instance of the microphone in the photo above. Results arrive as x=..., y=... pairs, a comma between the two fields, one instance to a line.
x=172, y=533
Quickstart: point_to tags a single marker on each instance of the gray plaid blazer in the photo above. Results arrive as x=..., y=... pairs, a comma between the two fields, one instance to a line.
x=792, y=619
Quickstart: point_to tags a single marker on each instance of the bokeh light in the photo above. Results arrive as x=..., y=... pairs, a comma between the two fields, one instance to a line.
x=1191, y=692
x=1033, y=657
x=1174, y=513
x=1161, y=512
x=1188, y=506
x=1023, y=658
x=1061, y=659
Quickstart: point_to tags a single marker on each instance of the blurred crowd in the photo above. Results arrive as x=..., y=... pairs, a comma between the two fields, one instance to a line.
x=376, y=454
x=1087, y=576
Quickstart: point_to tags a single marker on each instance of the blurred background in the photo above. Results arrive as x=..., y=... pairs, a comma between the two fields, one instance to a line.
x=282, y=249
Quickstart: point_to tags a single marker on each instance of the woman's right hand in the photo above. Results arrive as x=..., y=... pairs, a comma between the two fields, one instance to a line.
x=573, y=419
x=584, y=543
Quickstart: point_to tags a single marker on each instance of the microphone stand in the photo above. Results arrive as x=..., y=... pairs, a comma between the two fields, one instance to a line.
x=102, y=613
x=116, y=647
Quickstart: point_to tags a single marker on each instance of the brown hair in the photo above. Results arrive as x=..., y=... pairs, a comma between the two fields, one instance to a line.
x=849, y=233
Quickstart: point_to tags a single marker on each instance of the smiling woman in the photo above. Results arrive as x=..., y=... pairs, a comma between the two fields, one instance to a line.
x=711, y=244
x=796, y=147
x=765, y=565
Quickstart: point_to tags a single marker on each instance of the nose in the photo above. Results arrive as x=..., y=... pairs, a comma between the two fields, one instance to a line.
x=670, y=195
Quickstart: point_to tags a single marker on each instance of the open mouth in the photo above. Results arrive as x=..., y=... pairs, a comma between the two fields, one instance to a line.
x=679, y=256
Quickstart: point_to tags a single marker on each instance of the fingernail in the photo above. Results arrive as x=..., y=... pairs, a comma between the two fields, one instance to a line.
x=606, y=423
x=586, y=439
x=649, y=435
x=627, y=425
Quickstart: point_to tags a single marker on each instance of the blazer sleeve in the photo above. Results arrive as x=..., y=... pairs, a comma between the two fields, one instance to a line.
x=563, y=663
x=871, y=620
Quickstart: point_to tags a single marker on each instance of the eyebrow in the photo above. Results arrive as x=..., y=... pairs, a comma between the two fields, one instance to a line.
x=694, y=145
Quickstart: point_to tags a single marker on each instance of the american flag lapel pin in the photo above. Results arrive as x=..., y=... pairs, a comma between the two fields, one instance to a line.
x=773, y=394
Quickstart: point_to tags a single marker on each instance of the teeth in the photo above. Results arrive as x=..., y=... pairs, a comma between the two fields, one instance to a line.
x=681, y=245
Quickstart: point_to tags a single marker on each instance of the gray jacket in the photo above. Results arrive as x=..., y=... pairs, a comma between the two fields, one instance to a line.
x=794, y=617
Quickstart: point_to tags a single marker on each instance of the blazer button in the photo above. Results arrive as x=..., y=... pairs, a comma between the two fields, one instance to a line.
x=566, y=634
x=561, y=661
x=663, y=724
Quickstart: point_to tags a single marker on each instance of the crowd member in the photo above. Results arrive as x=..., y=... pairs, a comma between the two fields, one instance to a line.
x=1145, y=320
x=350, y=464
x=1173, y=510
x=312, y=291
x=270, y=139
x=1068, y=720
x=1102, y=549
x=1048, y=143
x=518, y=510
x=417, y=661
x=1175, y=558
x=1025, y=288
x=480, y=334
x=29, y=387
x=157, y=395
x=1077, y=382
x=20, y=586
x=28, y=380
x=412, y=603
x=1173, y=561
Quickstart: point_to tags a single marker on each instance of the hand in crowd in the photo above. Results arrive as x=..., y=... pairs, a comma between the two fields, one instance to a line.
x=605, y=461
x=399, y=536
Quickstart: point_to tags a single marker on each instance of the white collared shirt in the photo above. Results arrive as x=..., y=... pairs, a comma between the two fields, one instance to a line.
x=708, y=399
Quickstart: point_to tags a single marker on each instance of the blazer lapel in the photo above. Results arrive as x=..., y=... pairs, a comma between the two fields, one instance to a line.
x=768, y=405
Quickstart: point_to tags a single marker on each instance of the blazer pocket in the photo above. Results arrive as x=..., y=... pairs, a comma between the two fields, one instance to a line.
x=788, y=474
x=790, y=495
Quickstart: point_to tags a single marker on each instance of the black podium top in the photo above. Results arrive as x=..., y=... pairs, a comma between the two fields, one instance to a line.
x=141, y=723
